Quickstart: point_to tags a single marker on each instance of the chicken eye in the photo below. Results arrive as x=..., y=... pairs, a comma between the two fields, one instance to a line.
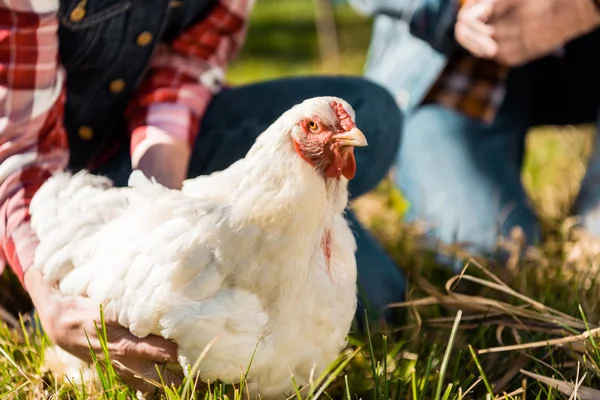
x=312, y=125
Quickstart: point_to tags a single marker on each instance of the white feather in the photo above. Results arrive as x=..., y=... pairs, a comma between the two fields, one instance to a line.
x=235, y=255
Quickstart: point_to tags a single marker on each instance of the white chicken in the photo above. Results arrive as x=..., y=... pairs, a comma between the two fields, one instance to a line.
x=259, y=255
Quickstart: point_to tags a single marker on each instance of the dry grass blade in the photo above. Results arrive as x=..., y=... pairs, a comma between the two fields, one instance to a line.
x=542, y=343
x=470, y=388
x=508, y=396
x=509, y=291
x=566, y=388
x=486, y=309
x=425, y=301
x=501, y=322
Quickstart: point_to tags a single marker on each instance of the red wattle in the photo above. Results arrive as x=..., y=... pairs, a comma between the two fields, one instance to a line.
x=336, y=167
x=349, y=169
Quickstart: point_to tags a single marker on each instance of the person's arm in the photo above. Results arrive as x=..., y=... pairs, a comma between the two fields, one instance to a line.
x=165, y=113
x=33, y=142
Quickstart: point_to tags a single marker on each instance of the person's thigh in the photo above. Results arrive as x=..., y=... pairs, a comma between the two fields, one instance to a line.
x=462, y=178
x=237, y=116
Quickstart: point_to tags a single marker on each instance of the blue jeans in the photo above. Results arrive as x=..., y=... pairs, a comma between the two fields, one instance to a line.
x=463, y=177
x=236, y=116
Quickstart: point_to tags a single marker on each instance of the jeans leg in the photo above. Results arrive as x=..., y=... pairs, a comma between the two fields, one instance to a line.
x=379, y=279
x=235, y=117
x=462, y=177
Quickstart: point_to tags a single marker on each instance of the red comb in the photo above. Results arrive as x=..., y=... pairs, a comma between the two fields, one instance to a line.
x=342, y=115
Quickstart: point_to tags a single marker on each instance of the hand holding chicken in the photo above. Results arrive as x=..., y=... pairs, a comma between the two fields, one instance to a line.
x=258, y=257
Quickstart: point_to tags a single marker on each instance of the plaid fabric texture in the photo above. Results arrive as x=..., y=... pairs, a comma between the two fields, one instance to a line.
x=470, y=85
x=33, y=142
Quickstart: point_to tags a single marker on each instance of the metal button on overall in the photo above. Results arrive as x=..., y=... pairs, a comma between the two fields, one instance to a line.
x=78, y=12
x=85, y=133
x=117, y=85
x=144, y=39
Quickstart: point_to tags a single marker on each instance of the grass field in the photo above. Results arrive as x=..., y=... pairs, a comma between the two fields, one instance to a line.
x=524, y=331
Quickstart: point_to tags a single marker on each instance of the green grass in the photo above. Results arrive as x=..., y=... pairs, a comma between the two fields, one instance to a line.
x=441, y=348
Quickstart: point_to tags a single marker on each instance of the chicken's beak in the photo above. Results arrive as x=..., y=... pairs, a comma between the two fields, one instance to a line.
x=354, y=137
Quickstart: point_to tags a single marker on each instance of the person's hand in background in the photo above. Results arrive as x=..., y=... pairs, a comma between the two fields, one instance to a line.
x=514, y=32
x=66, y=321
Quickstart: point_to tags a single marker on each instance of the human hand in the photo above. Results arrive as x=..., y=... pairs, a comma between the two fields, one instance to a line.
x=514, y=32
x=67, y=320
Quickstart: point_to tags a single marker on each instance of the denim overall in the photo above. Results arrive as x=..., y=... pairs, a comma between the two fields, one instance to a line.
x=105, y=46
x=106, y=54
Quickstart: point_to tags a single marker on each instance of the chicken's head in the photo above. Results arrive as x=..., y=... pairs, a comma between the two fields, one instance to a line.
x=324, y=135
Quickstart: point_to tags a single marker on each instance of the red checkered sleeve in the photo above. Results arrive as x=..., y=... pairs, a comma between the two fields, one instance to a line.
x=33, y=141
x=183, y=77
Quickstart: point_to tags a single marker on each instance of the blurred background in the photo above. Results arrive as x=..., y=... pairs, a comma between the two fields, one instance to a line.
x=298, y=37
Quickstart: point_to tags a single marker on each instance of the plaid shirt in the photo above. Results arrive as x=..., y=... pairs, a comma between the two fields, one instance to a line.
x=470, y=85
x=33, y=143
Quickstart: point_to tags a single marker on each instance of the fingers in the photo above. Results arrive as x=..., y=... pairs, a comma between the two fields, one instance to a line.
x=476, y=40
x=76, y=323
x=153, y=348
x=134, y=358
x=144, y=376
x=480, y=10
x=123, y=344
x=472, y=32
